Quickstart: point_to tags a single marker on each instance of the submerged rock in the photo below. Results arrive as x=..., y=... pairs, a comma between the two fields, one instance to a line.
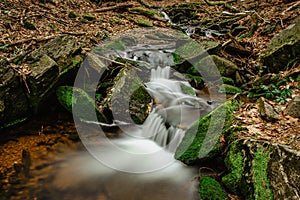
x=262, y=170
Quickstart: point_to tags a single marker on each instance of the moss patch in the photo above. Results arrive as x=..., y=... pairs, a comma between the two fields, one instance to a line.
x=210, y=189
x=260, y=180
x=235, y=163
x=229, y=89
x=144, y=23
x=79, y=103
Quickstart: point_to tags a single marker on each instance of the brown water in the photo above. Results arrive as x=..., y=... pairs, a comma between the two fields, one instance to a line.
x=44, y=159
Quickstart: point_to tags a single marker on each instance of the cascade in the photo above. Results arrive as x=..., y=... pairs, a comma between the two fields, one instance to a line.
x=173, y=107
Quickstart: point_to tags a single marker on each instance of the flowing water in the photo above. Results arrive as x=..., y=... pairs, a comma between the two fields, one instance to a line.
x=139, y=164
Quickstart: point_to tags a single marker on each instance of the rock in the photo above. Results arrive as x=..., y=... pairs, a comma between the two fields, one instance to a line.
x=266, y=110
x=207, y=65
x=52, y=64
x=78, y=102
x=144, y=23
x=293, y=108
x=229, y=89
x=262, y=170
x=13, y=102
x=210, y=189
x=128, y=98
x=283, y=48
x=202, y=140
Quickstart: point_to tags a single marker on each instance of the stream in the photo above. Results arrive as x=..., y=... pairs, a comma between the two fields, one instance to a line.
x=139, y=164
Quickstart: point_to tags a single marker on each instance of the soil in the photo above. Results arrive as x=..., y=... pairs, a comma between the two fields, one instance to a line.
x=26, y=25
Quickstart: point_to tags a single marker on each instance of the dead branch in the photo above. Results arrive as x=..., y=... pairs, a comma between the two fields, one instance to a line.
x=117, y=7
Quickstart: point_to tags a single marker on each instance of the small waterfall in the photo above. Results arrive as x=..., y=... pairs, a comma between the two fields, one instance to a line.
x=173, y=107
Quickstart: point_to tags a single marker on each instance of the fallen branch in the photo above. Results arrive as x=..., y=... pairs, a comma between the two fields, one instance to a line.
x=291, y=7
x=117, y=7
x=39, y=39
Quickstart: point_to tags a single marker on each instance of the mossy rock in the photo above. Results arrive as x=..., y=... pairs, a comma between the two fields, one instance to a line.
x=283, y=48
x=128, y=98
x=229, y=89
x=201, y=141
x=210, y=189
x=144, y=23
x=78, y=102
x=248, y=162
x=207, y=67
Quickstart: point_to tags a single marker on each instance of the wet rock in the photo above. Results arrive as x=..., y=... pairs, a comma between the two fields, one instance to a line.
x=266, y=110
x=293, y=108
x=202, y=140
x=128, y=98
x=13, y=103
x=262, y=170
x=284, y=47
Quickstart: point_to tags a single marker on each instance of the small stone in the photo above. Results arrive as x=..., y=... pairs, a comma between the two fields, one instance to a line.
x=266, y=110
x=293, y=108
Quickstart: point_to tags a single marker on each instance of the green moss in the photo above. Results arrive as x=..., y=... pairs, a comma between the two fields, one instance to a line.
x=260, y=176
x=229, y=89
x=202, y=139
x=235, y=164
x=138, y=105
x=187, y=89
x=228, y=81
x=78, y=102
x=146, y=12
x=89, y=17
x=190, y=49
x=144, y=23
x=210, y=189
x=115, y=45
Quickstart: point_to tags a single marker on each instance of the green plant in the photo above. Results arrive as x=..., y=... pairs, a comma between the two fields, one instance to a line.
x=278, y=91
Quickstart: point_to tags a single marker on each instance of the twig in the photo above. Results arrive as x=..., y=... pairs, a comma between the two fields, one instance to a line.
x=40, y=39
x=290, y=8
x=117, y=7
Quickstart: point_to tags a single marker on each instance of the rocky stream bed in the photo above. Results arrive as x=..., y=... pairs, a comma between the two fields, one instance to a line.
x=255, y=95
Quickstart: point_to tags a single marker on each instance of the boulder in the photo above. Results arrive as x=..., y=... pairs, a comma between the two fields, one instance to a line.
x=128, y=99
x=283, y=48
x=22, y=95
x=293, y=108
x=202, y=140
x=262, y=170
x=209, y=189
x=13, y=102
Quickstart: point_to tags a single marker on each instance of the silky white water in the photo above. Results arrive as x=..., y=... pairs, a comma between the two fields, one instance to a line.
x=140, y=164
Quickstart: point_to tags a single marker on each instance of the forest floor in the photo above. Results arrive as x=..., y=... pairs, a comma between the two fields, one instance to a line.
x=26, y=25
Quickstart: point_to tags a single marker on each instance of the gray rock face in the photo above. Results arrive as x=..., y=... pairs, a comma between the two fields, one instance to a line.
x=13, y=102
x=293, y=108
x=49, y=66
x=263, y=170
x=284, y=47
x=266, y=110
